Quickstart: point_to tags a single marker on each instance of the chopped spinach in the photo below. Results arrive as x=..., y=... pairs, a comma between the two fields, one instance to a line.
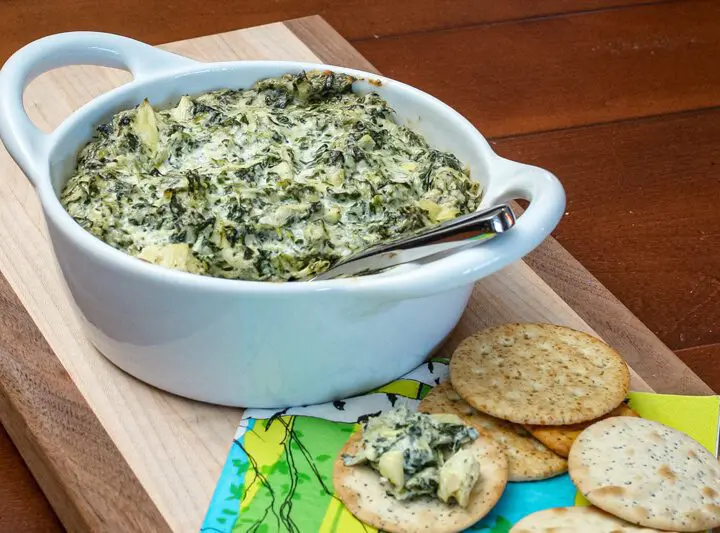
x=275, y=182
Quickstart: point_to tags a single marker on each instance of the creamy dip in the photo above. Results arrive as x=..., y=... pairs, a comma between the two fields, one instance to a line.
x=271, y=183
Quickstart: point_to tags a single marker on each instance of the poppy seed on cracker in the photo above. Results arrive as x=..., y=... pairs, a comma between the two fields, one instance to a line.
x=581, y=519
x=648, y=474
x=363, y=494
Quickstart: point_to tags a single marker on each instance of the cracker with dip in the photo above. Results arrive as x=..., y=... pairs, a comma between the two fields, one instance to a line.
x=547, y=377
x=407, y=472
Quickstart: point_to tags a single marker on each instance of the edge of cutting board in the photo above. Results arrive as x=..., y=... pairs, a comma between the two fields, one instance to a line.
x=84, y=476
x=616, y=324
x=90, y=484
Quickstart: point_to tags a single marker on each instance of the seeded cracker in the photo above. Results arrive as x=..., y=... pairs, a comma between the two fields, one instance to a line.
x=364, y=496
x=648, y=474
x=560, y=438
x=528, y=458
x=575, y=519
x=539, y=374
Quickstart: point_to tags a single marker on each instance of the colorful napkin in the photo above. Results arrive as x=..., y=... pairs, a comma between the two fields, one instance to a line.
x=278, y=475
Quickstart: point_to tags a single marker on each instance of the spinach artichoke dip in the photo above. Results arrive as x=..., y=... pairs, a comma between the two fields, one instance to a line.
x=417, y=454
x=272, y=183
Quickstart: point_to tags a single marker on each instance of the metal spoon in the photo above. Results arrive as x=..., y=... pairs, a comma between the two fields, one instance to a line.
x=463, y=231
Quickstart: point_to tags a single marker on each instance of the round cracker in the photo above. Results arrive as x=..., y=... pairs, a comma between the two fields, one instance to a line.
x=539, y=374
x=528, y=458
x=573, y=519
x=648, y=474
x=360, y=490
x=560, y=438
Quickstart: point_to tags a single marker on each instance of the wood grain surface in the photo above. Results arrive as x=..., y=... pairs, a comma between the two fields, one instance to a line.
x=702, y=358
x=22, y=505
x=162, y=21
x=648, y=60
x=566, y=71
x=551, y=262
x=51, y=416
x=659, y=244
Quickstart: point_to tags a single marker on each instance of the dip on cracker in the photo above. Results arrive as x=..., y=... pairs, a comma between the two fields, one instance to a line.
x=417, y=454
x=407, y=471
x=528, y=458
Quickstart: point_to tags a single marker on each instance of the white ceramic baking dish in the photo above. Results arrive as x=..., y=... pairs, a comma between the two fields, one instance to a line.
x=247, y=343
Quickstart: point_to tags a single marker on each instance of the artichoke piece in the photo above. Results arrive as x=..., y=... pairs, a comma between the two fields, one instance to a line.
x=458, y=477
x=145, y=126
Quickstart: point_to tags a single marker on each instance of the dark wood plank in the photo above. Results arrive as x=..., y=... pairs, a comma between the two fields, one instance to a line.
x=158, y=22
x=705, y=359
x=644, y=167
x=327, y=43
x=642, y=215
x=564, y=274
x=61, y=440
x=22, y=505
x=565, y=71
x=620, y=328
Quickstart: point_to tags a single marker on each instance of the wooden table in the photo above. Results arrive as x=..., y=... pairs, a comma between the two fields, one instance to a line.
x=619, y=98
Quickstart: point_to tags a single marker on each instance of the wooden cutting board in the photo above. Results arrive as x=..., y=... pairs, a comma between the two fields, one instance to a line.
x=113, y=454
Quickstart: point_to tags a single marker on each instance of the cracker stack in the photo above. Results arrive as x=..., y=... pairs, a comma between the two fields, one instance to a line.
x=524, y=383
x=641, y=476
x=543, y=393
x=566, y=389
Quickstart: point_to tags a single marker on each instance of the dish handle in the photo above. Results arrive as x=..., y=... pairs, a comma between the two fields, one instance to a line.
x=511, y=181
x=25, y=142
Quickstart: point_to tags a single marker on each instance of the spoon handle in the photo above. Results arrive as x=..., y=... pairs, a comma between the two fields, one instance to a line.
x=459, y=232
